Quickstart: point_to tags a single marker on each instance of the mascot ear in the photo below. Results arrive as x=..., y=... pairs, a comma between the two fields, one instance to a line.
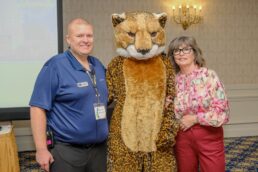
x=162, y=17
x=117, y=18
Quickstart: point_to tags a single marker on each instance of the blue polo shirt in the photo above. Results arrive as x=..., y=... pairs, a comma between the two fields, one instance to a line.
x=64, y=89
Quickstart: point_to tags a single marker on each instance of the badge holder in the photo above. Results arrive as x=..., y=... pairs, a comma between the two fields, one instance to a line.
x=99, y=108
x=100, y=111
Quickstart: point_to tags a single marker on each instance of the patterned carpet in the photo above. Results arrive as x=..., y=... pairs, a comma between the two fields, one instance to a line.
x=241, y=156
x=28, y=162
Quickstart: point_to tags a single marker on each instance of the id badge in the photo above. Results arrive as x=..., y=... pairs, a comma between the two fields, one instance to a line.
x=100, y=111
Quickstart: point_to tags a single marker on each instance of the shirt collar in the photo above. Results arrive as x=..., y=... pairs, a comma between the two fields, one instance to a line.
x=75, y=63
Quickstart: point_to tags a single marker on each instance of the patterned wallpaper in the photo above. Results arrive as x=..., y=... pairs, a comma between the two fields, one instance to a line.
x=228, y=34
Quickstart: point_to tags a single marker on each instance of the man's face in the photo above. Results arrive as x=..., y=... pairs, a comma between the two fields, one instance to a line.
x=80, y=39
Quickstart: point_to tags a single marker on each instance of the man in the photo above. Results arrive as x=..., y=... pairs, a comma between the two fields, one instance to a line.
x=69, y=100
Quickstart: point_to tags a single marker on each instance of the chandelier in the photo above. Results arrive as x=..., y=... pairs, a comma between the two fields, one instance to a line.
x=187, y=15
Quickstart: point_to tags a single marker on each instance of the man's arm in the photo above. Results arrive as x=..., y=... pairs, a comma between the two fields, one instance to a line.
x=38, y=126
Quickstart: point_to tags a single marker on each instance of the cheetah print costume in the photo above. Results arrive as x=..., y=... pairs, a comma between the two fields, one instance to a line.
x=142, y=133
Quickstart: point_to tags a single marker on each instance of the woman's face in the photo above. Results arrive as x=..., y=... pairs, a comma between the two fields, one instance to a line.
x=184, y=56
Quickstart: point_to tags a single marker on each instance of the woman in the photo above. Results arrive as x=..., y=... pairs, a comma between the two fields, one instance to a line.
x=201, y=107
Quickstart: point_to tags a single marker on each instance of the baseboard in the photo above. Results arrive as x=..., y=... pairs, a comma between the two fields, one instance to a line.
x=24, y=139
x=239, y=130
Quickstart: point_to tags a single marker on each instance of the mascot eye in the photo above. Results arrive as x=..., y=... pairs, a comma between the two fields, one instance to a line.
x=153, y=34
x=131, y=34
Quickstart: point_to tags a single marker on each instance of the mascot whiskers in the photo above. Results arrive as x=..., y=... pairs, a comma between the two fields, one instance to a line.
x=142, y=130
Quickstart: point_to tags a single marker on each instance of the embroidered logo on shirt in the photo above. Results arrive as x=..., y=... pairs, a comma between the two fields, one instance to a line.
x=82, y=84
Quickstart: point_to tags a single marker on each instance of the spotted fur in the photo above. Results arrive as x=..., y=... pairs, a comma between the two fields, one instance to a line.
x=142, y=132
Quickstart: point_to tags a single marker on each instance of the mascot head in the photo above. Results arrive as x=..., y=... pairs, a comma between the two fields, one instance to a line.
x=139, y=35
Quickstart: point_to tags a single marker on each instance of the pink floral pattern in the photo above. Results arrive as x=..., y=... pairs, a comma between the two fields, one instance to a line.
x=201, y=93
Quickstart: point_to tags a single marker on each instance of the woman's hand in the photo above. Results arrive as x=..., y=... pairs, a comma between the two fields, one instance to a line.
x=187, y=121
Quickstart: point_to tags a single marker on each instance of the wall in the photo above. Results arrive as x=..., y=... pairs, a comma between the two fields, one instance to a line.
x=228, y=37
x=228, y=34
x=243, y=101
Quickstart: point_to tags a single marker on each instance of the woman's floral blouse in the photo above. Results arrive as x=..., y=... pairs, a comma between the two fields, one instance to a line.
x=201, y=93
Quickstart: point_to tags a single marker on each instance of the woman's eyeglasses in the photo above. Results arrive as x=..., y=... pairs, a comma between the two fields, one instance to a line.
x=186, y=50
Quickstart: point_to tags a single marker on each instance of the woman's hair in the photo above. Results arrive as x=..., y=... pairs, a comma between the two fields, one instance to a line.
x=188, y=41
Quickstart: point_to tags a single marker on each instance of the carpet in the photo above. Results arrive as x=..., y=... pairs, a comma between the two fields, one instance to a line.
x=241, y=156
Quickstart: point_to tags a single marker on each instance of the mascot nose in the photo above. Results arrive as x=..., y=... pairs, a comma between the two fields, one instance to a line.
x=143, y=51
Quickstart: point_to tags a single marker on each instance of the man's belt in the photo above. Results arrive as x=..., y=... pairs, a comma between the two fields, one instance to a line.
x=82, y=146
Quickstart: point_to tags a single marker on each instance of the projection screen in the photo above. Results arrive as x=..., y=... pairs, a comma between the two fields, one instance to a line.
x=30, y=33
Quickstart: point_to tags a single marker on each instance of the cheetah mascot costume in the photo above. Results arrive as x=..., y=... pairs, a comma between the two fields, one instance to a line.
x=142, y=131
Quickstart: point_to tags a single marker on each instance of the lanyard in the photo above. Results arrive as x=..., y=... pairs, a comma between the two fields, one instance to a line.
x=93, y=79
